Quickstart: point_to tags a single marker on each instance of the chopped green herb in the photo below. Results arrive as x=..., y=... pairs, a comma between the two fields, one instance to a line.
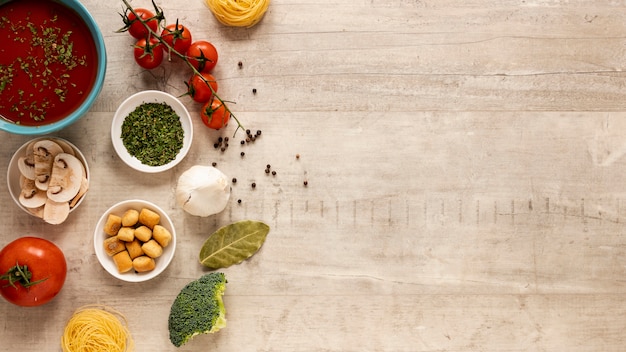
x=153, y=133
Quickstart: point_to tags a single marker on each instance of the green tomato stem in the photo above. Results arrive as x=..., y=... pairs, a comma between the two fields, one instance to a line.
x=20, y=274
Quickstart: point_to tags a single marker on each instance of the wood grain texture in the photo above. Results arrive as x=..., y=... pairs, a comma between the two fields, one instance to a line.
x=464, y=161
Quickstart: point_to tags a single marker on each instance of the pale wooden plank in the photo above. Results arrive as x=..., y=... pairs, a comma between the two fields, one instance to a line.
x=465, y=167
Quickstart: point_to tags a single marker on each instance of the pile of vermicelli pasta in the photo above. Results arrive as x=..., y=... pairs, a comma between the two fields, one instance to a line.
x=238, y=13
x=94, y=329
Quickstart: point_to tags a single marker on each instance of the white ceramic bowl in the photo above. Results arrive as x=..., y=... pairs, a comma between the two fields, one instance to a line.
x=107, y=262
x=13, y=172
x=128, y=106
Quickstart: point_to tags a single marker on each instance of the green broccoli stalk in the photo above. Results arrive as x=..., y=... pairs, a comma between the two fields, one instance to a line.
x=198, y=309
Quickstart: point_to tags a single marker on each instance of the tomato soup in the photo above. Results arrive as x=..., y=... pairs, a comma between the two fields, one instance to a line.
x=48, y=61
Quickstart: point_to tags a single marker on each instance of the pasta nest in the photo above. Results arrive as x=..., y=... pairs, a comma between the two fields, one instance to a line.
x=238, y=13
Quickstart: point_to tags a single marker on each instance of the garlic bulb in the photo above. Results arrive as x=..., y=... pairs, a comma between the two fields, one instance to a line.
x=202, y=190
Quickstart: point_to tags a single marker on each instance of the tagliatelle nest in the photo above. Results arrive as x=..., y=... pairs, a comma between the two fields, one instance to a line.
x=238, y=13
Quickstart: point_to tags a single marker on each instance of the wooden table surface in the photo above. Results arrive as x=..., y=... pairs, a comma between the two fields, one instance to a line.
x=465, y=167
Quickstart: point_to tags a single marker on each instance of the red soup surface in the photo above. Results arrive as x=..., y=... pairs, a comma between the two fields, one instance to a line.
x=48, y=61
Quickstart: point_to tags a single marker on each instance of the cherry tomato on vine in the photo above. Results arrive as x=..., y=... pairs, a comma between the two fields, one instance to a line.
x=149, y=55
x=202, y=55
x=137, y=29
x=32, y=271
x=177, y=36
x=214, y=114
x=199, y=90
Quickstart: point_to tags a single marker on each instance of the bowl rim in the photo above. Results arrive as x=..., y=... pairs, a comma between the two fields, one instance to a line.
x=12, y=167
x=162, y=262
x=135, y=100
x=84, y=107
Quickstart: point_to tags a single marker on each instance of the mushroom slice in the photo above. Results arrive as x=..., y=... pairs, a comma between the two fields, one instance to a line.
x=54, y=212
x=23, y=181
x=65, y=179
x=31, y=196
x=65, y=146
x=38, y=212
x=27, y=167
x=45, y=151
x=84, y=186
x=26, y=163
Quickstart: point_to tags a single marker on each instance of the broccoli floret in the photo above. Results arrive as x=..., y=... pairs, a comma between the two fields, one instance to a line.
x=198, y=309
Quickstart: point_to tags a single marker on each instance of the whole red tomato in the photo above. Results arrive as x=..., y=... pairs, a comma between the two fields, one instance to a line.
x=177, y=36
x=32, y=271
x=202, y=55
x=136, y=28
x=147, y=55
x=199, y=90
x=214, y=114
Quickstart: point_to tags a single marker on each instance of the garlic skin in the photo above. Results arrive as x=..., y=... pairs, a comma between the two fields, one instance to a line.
x=202, y=190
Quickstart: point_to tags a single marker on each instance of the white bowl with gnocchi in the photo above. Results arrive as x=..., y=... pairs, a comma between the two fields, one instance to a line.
x=134, y=240
x=48, y=177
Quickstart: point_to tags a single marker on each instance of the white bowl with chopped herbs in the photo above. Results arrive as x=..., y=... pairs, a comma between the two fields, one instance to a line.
x=152, y=131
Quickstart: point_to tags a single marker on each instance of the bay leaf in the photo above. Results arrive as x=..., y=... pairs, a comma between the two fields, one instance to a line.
x=234, y=243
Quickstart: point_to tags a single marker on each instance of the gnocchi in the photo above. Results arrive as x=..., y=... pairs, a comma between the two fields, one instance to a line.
x=135, y=240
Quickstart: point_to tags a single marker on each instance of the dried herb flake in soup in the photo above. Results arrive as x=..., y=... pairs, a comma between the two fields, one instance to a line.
x=153, y=133
x=48, y=61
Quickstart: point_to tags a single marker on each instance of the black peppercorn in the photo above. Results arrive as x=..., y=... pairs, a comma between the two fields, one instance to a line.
x=234, y=180
x=253, y=90
x=239, y=201
x=306, y=183
x=242, y=153
x=214, y=164
x=240, y=64
x=273, y=173
x=253, y=185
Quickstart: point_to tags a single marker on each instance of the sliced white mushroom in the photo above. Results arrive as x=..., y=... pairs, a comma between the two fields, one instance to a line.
x=54, y=212
x=26, y=163
x=31, y=196
x=65, y=146
x=84, y=186
x=38, y=212
x=45, y=151
x=66, y=178
x=23, y=181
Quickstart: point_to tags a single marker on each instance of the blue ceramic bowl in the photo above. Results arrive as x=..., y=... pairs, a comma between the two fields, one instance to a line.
x=93, y=93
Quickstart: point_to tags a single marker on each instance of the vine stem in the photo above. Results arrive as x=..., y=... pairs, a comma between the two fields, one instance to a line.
x=182, y=56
